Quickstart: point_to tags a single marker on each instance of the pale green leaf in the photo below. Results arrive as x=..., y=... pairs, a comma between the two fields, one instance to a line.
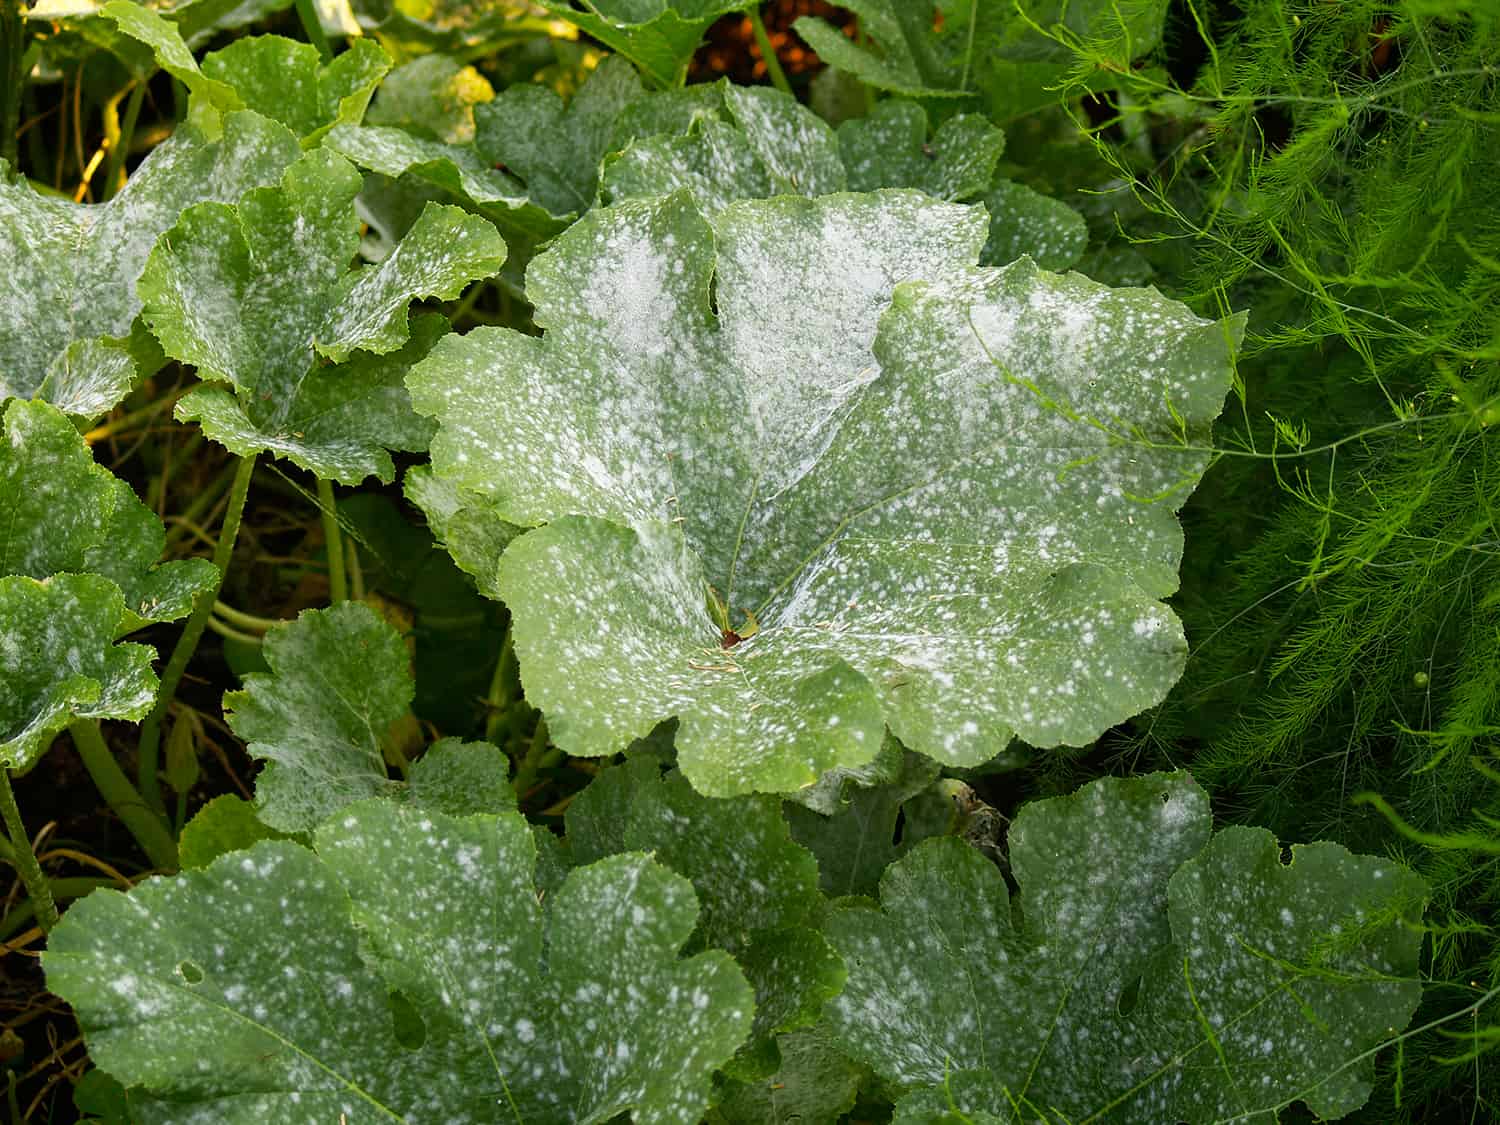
x=286, y=965
x=339, y=678
x=890, y=148
x=947, y=527
x=758, y=889
x=1026, y=222
x=814, y=1083
x=910, y=51
x=556, y=150
x=433, y=96
x=257, y=295
x=659, y=36
x=59, y=661
x=166, y=42
x=763, y=144
x=465, y=525
x=462, y=779
x=343, y=418
x=68, y=271
x=1147, y=974
x=285, y=80
x=225, y=824
x=62, y=513
x=456, y=169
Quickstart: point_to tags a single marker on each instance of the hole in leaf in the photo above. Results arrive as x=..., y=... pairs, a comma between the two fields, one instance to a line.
x=900, y=826
x=190, y=971
x=1130, y=996
x=406, y=1022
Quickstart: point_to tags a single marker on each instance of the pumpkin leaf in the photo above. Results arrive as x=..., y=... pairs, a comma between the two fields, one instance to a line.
x=659, y=36
x=501, y=1012
x=339, y=679
x=62, y=513
x=257, y=295
x=1147, y=972
x=59, y=661
x=964, y=558
x=758, y=889
x=68, y=271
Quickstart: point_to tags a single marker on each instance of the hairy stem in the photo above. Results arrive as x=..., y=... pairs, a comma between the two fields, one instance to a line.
x=12, y=77
x=338, y=583
x=121, y=148
x=187, y=644
x=147, y=828
x=307, y=12
x=526, y=771
x=768, y=52
x=37, y=887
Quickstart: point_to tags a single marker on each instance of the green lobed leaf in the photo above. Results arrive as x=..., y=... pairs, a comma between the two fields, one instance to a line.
x=285, y=80
x=763, y=144
x=463, y=28
x=59, y=661
x=502, y=1013
x=963, y=558
x=1153, y=974
x=433, y=96
x=1014, y=54
x=556, y=150
x=62, y=513
x=813, y=1083
x=889, y=148
x=227, y=823
x=1026, y=222
x=659, y=36
x=857, y=838
x=172, y=53
x=465, y=525
x=455, y=169
x=340, y=677
x=259, y=294
x=68, y=271
x=758, y=889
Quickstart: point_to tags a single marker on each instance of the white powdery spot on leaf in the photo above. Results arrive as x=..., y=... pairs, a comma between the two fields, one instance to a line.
x=580, y=1013
x=1153, y=975
x=807, y=472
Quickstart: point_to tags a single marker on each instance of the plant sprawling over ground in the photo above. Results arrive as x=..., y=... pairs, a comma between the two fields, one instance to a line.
x=951, y=584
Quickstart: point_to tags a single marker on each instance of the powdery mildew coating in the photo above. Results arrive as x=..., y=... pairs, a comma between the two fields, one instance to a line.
x=757, y=888
x=59, y=661
x=259, y=294
x=1145, y=974
x=285, y=960
x=62, y=513
x=68, y=271
x=934, y=495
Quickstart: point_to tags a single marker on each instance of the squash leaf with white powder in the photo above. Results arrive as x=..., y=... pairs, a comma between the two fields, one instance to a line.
x=260, y=297
x=403, y=971
x=68, y=271
x=791, y=500
x=1145, y=973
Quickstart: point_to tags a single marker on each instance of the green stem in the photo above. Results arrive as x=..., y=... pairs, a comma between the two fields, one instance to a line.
x=12, y=79
x=247, y=621
x=526, y=771
x=187, y=644
x=338, y=584
x=499, y=698
x=148, y=829
x=121, y=147
x=768, y=52
x=37, y=887
x=307, y=12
